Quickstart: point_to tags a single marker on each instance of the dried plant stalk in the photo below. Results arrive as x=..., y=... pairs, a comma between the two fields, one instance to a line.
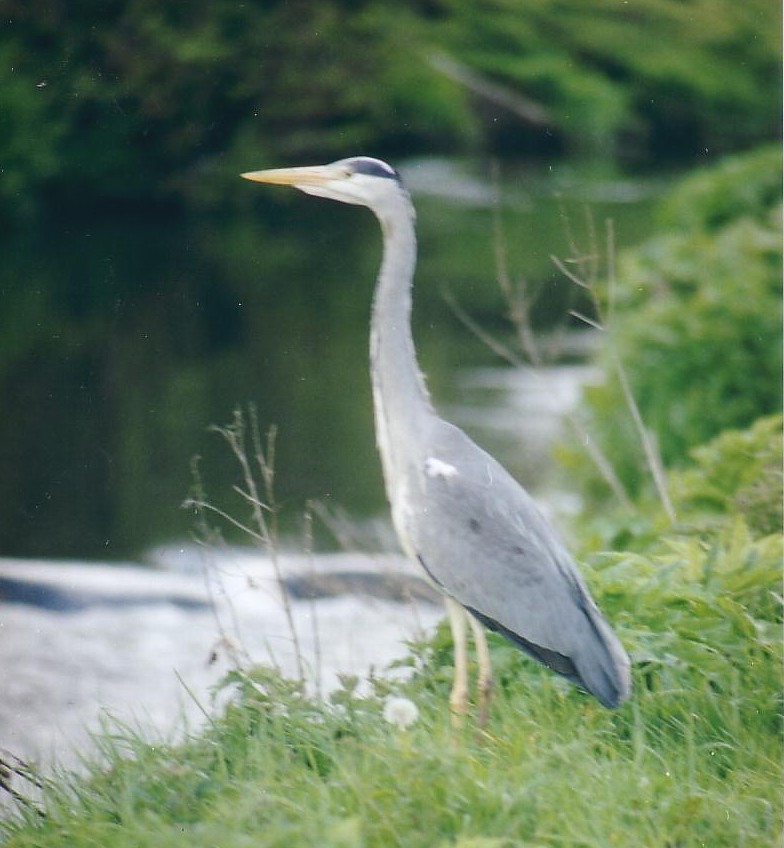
x=257, y=491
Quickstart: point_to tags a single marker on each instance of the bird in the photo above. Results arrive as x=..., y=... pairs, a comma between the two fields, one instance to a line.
x=474, y=531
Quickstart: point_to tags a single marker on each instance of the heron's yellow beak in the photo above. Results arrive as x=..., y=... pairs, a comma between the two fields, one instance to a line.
x=316, y=175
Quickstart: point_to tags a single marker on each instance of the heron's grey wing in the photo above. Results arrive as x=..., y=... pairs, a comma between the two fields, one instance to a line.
x=480, y=536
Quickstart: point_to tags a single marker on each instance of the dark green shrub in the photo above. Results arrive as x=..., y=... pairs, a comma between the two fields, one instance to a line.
x=697, y=320
x=134, y=100
x=738, y=472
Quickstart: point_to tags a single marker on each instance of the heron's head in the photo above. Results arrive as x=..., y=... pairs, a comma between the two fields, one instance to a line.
x=360, y=180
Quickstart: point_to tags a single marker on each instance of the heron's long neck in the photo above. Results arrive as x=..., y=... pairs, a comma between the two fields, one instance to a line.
x=399, y=395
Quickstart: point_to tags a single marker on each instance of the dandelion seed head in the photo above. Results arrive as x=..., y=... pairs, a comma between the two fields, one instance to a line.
x=401, y=712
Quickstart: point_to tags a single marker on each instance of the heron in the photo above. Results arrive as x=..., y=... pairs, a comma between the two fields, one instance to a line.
x=475, y=532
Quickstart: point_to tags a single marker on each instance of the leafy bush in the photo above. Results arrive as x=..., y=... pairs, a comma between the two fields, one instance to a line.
x=737, y=187
x=136, y=101
x=650, y=75
x=701, y=613
x=697, y=320
x=738, y=473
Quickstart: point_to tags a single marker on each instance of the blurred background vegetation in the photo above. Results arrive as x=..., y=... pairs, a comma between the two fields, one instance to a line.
x=136, y=101
x=140, y=301
x=697, y=326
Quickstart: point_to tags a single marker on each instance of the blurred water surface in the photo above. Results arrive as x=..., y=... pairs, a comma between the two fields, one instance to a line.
x=124, y=337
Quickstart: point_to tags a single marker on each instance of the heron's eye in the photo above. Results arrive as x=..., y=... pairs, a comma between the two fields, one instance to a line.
x=348, y=172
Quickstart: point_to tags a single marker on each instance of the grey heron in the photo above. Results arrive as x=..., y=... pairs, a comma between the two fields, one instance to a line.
x=473, y=529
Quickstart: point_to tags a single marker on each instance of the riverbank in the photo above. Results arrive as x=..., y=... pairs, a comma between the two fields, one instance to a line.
x=145, y=645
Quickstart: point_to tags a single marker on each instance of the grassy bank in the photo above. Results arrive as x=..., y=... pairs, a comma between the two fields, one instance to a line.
x=693, y=759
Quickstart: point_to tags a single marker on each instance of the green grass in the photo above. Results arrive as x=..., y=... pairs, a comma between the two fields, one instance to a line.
x=693, y=759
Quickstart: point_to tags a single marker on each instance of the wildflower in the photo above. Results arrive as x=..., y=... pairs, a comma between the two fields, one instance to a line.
x=401, y=712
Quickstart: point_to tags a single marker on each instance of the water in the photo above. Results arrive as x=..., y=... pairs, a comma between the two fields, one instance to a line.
x=123, y=339
x=127, y=641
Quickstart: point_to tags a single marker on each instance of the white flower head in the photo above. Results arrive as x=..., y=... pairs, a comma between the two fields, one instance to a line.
x=401, y=712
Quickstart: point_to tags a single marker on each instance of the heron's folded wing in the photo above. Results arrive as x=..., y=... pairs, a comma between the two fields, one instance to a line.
x=482, y=538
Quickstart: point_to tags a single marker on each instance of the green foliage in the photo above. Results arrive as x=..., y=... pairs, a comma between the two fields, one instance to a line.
x=737, y=473
x=142, y=101
x=654, y=75
x=134, y=100
x=29, y=134
x=696, y=320
x=702, y=613
x=738, y=187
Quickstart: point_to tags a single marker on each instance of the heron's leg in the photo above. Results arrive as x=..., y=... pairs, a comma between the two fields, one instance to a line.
x=485, y=677
x=458, y=699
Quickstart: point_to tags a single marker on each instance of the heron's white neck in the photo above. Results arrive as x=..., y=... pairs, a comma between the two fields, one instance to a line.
x=400, y=398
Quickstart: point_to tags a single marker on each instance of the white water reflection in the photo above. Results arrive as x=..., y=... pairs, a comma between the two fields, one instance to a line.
x=147, y=646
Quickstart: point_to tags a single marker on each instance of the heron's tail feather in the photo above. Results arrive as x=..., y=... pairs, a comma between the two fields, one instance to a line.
x=601, y=661
x=599, y=665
